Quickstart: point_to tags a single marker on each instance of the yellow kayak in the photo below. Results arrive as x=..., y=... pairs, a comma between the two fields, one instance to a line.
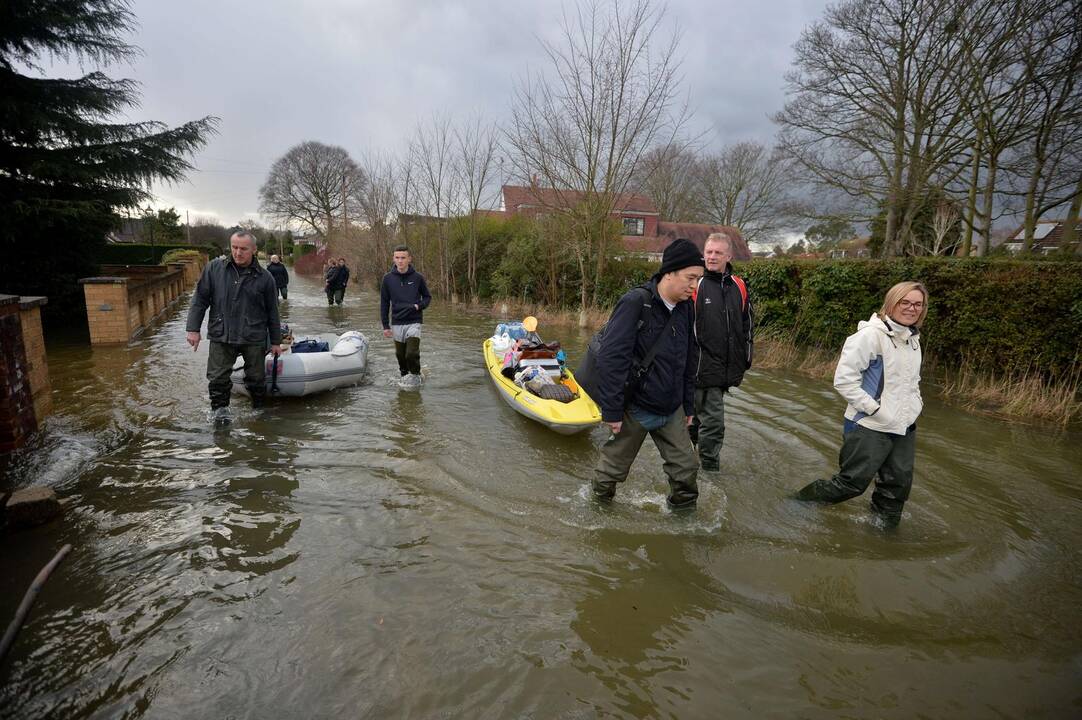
x=565, y=418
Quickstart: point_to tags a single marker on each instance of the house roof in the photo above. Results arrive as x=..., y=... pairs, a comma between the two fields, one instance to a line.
x=697, y=233
x=640, y=244
x=1047, y=235
x=520, y=196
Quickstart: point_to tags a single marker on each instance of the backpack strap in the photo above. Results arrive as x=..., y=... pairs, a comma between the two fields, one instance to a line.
x=647, y=296
x=743, y=291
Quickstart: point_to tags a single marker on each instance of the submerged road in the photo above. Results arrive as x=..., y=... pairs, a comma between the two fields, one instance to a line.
x=377, y=553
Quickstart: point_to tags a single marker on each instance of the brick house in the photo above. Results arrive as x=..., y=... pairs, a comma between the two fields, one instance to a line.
x=637, y=213
x=1047, y=237
x=644, y=233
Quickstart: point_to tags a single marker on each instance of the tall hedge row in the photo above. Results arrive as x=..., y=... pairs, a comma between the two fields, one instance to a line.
x=1004, y=316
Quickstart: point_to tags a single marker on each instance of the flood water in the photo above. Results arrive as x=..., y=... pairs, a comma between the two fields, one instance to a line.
x=376, y=553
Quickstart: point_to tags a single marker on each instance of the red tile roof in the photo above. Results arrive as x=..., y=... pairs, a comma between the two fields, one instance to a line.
x=697, y=233
x=519, y=196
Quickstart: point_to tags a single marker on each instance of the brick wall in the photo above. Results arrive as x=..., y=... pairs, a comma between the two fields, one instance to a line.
x=17, y=419
x=36, y=362
x=121, y=305
x=107, y=312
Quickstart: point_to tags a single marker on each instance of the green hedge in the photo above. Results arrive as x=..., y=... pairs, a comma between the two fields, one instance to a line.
x=1004, y=316
x=145, y=254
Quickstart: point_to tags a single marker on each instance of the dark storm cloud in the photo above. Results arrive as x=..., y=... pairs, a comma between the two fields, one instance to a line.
x=361, y=74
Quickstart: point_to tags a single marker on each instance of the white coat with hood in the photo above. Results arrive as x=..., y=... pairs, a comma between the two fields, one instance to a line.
x=878, y=374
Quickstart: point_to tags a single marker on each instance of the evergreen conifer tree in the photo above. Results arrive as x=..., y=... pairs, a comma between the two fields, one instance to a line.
x=66, y=165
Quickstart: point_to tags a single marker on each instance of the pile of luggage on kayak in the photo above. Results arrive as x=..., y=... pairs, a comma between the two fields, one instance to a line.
x=532, y=364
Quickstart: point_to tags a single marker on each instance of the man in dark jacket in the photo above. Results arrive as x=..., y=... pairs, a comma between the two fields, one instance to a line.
x=723, y=328
x=657, y=399
x=337, y=280
x=243, y=303
x=403, y=296
x=280, y=274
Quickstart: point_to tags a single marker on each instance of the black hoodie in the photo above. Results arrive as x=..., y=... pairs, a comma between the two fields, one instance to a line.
x=402, y=297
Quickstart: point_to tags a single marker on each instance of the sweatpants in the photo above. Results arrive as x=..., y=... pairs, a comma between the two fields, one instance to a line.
x=407, y=347
x=866, y=455
x=679, y=464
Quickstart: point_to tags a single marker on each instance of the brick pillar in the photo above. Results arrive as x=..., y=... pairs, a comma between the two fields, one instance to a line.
x=34, y=346
x=17, y=420
x=107, y=311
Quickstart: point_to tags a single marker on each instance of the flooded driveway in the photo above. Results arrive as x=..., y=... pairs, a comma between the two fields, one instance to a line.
x=377, y=553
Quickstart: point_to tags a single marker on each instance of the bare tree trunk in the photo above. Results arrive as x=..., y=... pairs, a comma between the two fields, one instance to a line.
x=987, y=206
x=1070, y=225
x=971, y=195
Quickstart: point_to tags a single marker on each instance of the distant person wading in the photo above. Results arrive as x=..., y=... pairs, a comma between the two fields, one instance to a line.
x=336, y=281
x=280, y=274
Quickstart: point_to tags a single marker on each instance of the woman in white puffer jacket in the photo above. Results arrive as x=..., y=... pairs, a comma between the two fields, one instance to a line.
x=878, y=374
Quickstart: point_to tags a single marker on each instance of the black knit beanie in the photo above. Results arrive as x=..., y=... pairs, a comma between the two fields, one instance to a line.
x=679, y=255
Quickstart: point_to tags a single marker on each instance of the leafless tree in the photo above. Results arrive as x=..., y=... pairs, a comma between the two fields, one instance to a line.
x=582, y=130
x=944, y=223
x=1047, y=166
x=1000, y=113
x=311, y=185
x=877, y=108
x=666, y=175
x=435, y=187
x=745, y=185
x=476, y=143
x=370, y=240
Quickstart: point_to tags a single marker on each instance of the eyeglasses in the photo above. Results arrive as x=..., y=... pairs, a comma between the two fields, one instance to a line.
x=905, y=304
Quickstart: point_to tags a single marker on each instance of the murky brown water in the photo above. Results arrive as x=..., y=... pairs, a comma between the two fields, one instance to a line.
x=377, y=553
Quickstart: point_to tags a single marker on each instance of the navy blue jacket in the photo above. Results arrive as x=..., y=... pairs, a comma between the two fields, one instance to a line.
x=670, y=382
x=399, y=293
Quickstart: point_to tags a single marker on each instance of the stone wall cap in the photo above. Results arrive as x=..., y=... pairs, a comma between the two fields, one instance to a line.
x=103, y=281
x=8, y=299
x=25, y=303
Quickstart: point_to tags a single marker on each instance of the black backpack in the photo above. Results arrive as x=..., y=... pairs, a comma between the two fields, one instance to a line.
x=586, y=375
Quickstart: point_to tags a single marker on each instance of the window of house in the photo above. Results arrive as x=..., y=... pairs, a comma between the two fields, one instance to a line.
x=634, y=226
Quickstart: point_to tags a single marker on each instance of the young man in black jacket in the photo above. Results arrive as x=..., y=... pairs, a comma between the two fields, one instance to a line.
x=243, y=303
x=723, y=329
x=403, y=296
x=656, y=400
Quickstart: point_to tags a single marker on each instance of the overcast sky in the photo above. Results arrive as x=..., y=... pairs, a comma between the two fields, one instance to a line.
x=361, y=73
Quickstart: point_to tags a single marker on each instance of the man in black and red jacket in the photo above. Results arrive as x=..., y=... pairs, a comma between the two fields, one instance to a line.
x=723, y=328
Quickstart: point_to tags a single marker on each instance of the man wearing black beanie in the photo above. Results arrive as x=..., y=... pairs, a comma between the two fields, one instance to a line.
x=646, y=377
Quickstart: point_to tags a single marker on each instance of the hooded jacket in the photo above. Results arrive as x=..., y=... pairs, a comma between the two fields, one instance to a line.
x=243, y=304
x=878, y=374
x=670, y=382
x=399, y=293
x=723, y=329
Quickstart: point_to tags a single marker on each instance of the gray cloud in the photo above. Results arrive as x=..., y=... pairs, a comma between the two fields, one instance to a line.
x=361, y=74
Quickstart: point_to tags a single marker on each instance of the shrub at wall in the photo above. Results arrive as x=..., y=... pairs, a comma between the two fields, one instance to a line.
x=1003, y=316
x=145, y=254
